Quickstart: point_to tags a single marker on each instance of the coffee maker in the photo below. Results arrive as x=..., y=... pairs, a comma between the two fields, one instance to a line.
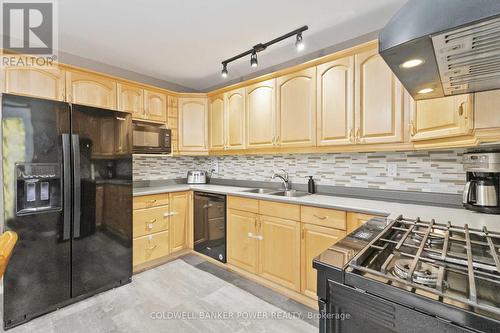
x=482, y=190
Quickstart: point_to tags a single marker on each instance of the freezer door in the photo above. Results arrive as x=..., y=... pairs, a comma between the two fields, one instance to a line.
x=102, y=199
x=37, y=205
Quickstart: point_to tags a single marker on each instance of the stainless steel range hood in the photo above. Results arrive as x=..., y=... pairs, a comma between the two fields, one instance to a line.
x=444, y=47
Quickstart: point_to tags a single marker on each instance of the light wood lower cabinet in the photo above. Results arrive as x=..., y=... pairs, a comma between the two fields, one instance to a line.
x=150, y=247
x=355, y=220
x=242, y=242
x=180, y=217
x=279, y=245
x=150, y=220
x=315, y=240
x=161, y=226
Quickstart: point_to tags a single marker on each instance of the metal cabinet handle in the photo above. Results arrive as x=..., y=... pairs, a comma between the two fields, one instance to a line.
x=274, y=140
x=461, y=109
x=320, y=217
x=351, y=135
x=151, y=221
x=170, y=214
x=412, y=128
x=151, y=248
x=357, y=135
x=257, y=237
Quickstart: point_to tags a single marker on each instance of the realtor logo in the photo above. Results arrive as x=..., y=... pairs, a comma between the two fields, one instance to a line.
x=28, y=29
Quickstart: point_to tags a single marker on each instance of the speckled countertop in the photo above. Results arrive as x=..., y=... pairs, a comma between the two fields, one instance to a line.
x=457, y=216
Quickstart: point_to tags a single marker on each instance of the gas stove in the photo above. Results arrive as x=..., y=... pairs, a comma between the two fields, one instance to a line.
x=411, y=269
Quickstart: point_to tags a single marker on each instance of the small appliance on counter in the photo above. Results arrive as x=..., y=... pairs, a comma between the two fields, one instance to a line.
x=410, y=275
x=482, y=190
x=197, y=177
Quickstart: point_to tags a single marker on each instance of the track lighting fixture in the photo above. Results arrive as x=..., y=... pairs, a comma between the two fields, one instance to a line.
x=253, y=60
x=224, y=71
x=299, y=44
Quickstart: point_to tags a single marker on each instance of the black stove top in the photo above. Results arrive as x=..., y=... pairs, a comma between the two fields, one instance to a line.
x=453, y=265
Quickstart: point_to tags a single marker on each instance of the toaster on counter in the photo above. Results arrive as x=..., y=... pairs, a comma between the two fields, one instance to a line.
x=196, y=177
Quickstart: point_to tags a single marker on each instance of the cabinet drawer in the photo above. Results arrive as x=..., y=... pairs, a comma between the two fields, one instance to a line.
x=150, y=247
x=324, y=217
x=150, y=220
x=244, y=204
x=147, y=201
x=282, y=210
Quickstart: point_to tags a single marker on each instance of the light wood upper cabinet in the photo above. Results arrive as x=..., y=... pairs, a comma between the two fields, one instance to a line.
x=131, y=99
x=486, y=113
x=279, y=259
x=180, y=217
x=296, y=105
x=216, y=123
x=315, y=240
x=378, y=101
x=193, y=124
x=242, y=244
x=35, y=82
x=89, y=89
x=235, y=119
x=155, y=105
x=442, y=117
x=335, y=102
x=261, y=115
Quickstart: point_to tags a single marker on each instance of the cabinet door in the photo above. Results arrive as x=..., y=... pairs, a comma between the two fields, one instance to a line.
x=379, y=101
x=279, y=259
x=179, y=220
x=296, y=100
x=335, y=102
x=150, y=247
x=235, y=119
x=486, y=113
x=355, y=220
x=193, y=123
x=442, y=117
x=131, y=99
x=123, y=133
x=107, y=131
x=155, y=105
x=242, y=243
x=261, y=115
x=216, y=123
x=315, y=240
x=89, y=89
x=35, y=82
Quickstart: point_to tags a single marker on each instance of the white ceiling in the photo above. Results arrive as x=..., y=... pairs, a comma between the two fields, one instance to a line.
x=184, y=41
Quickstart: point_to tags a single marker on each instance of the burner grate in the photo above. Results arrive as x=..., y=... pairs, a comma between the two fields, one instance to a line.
x=420, y=254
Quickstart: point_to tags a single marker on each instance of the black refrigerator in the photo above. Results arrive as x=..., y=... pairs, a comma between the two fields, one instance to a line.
x=67, y=192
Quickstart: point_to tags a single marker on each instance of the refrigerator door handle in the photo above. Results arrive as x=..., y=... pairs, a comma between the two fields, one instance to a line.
x=76, y=185
x=66, y=187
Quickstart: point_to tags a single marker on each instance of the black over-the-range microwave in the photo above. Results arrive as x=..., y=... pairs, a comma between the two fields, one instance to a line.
x=150, y=138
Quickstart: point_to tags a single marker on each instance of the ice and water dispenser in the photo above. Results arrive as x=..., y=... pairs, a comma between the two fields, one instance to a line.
x=38, y=188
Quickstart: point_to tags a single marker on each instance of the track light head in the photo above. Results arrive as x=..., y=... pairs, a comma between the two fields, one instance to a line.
x=224, y=71
x=253, y=60
x=299, y=43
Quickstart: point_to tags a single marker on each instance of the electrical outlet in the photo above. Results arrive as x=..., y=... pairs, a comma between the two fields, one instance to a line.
x=392, y=170
x=215, y=165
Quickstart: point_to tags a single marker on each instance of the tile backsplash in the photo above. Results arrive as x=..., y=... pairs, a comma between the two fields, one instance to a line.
x=423, y=171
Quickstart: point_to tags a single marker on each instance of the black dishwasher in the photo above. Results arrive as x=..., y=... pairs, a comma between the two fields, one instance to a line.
x=210, y=225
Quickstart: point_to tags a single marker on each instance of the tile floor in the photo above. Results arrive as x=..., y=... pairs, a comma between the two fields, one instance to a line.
x=189, y=287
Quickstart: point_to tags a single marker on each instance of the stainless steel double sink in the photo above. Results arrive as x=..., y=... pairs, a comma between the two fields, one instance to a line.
x=288, y=193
